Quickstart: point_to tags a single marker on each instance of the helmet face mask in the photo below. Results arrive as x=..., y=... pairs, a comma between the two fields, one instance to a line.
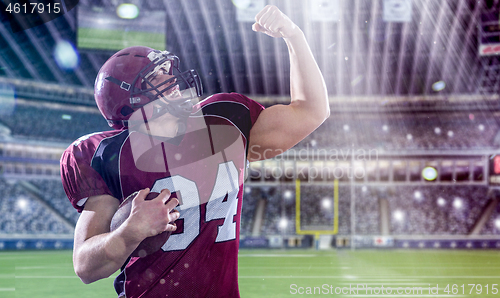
x=179, y=108
x=128, y=81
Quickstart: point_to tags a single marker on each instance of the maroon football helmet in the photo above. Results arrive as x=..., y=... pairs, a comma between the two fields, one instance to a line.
x=123, y=84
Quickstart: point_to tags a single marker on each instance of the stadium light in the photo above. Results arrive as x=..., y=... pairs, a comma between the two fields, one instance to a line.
x=399, y=215
x=326, y=203
x=22, y=203
x=441, y=202
x=429, y=173
x=242, y=4
x=65, y=55
x=481, y=127
x=409, y=137
x=283, y=223
x=127, y=11
x=346, y=127
x=457, y=203
x=288, y=194
x=438, y=86
x=418, y=195
x=437, y=130
x=497, y=223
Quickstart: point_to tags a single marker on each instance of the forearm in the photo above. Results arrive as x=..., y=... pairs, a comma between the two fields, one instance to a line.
x=102, y=255
x=97, y=252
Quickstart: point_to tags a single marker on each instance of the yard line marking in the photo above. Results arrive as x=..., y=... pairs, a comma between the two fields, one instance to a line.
x=38, y=267
x=362, y=278
x=16, y=257
x=449, y=276
x=405, y=295
x=385, y=283
x=358, y=280
x=425, y=277
x=383, y=279
x=444, y=267
x=277, y=277
x=283, y=256
x=46, y=276
x=7, y=275
x=332, y=268
x=7, y=289
x=325, y=276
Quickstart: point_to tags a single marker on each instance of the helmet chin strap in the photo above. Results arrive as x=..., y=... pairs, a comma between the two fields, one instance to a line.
x=180, y=108
x=180, y=124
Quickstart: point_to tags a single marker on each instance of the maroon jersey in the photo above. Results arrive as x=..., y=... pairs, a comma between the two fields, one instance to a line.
x=204, y=168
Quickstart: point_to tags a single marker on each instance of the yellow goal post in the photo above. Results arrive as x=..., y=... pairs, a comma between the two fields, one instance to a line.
x=316, y=232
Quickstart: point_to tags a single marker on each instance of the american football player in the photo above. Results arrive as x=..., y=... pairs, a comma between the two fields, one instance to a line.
x=193, y=152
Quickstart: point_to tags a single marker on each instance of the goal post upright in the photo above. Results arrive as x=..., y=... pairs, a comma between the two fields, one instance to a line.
x=317, y=233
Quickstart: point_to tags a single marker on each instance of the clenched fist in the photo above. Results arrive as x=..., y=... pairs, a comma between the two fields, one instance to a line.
x=271, y=21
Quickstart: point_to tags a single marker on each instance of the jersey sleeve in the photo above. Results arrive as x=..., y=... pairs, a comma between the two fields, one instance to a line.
x=79, y=179
x=251, y=110
x=254, y=107
x=237, y=108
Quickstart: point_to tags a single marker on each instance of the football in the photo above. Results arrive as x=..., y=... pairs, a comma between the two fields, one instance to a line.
x=148, y=245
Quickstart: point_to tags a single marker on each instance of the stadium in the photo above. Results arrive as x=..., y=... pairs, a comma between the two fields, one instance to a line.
x=396, y=194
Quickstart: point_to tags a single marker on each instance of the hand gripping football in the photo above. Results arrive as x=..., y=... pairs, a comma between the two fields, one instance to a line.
x=148, y=245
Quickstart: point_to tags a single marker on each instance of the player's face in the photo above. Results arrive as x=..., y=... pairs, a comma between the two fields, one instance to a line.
x=155, y=113
x=167, y=80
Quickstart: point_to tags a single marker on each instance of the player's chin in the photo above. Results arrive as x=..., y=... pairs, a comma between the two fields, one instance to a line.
x=171, y=227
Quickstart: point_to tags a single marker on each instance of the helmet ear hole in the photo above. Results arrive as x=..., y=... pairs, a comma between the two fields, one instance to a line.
x=126, y=110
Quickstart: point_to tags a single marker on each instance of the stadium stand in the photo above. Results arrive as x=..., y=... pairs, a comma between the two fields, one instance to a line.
x=250, y=198
x=492, y=227
x=51, y=122
x=431, y=131
x=52, y=192
x=378, y=131
x=22, y=213
x=414, y=210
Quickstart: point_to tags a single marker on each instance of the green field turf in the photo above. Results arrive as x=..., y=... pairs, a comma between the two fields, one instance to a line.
x=278, y=273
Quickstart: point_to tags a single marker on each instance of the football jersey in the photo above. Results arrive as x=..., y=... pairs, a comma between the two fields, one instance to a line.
x=204, y=168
